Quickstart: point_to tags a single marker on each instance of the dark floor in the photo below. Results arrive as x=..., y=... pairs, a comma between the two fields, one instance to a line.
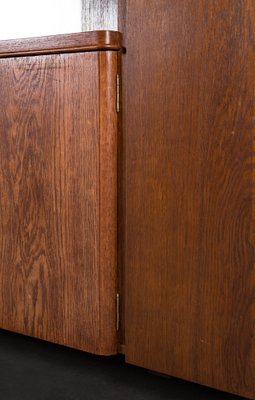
x=35, y=370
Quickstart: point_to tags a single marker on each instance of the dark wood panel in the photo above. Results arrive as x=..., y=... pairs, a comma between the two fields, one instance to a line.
x=96, y=40
x=188, y=127
x=58, y=145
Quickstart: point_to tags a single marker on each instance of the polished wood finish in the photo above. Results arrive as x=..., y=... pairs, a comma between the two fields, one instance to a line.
x=108, y=67
x=58, y=211
x=188, y=128
x=99, y=14
x=76, y=42
x=120, y=208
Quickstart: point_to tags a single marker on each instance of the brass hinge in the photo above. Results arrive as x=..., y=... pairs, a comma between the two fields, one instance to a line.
x=118, y=93
x=117, y=311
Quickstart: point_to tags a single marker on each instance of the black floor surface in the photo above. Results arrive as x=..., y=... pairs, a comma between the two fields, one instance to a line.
x=31, y=369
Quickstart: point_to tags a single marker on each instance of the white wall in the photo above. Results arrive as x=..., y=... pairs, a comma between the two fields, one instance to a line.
x=26, y=18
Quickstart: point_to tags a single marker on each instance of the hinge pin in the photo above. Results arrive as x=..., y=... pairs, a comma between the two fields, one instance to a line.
x=118, y=93
x=117, y=311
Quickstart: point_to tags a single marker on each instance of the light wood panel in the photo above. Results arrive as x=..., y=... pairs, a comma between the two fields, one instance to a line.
x=99, y=14
x=188, y=127
x=58, y=132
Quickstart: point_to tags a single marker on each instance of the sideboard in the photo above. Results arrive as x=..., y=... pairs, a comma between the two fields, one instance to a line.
x=127, y=189
x=58, y=184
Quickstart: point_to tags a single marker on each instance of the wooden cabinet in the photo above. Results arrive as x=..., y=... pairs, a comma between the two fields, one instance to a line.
x=58, y=182
x=183, y=205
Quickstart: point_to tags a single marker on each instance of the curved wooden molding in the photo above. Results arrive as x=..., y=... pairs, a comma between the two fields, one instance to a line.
x=74, y=42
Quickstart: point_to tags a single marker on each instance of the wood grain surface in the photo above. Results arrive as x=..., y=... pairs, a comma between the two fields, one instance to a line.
x=99, y=14
x=58, y=129
x=74, y=42
x=188, y=127
x=108, y=119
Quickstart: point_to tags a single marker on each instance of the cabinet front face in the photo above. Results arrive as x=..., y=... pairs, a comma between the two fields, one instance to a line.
x=58, y=198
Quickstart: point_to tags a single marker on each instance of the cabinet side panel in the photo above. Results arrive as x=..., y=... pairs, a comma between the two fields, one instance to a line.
x=49, y=206
x=188, y=127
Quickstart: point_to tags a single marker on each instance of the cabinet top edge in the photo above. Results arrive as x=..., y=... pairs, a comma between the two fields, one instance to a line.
x=71, y=42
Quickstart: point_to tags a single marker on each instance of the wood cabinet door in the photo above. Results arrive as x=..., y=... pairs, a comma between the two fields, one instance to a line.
x=188, y=128
x=58, y=132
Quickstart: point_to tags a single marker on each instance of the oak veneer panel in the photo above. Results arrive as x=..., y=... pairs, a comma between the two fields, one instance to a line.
x=58, y=132
x=188, y=127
